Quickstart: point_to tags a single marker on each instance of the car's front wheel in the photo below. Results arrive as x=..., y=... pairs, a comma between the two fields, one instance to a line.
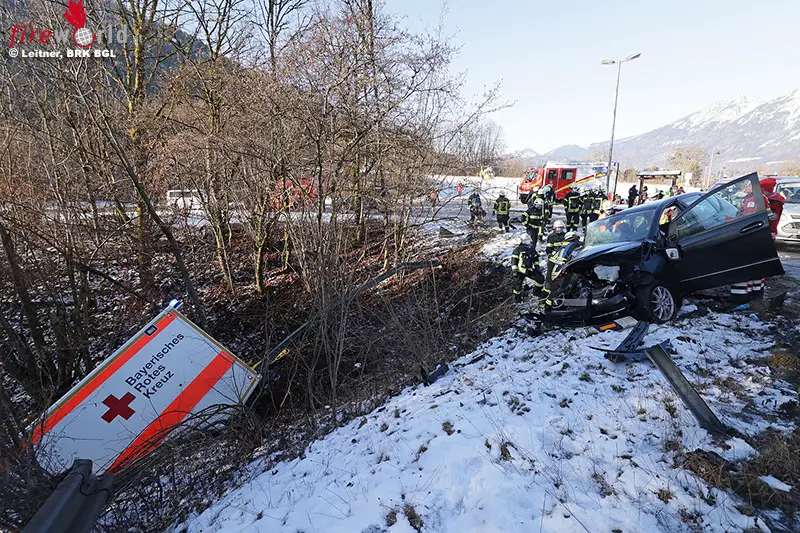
x=657, y=303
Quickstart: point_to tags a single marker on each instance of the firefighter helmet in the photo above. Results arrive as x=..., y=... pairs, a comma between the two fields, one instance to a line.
x=572, y=236
x=538, y=202
x=559, y=225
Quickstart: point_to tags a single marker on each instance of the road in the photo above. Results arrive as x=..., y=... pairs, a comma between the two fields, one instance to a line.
x=790, y=257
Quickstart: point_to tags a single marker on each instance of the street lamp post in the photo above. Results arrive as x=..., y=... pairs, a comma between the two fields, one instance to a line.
x=614, y=121
x=711, y=167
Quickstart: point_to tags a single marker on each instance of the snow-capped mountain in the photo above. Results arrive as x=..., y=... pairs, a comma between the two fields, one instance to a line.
x=569, y=151
x=527, y=153
x=744, y=130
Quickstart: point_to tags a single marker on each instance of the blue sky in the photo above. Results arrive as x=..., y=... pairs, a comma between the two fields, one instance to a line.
x=547, y=55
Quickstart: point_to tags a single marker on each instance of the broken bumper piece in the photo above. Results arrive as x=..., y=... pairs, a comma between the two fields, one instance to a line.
x=590, y=312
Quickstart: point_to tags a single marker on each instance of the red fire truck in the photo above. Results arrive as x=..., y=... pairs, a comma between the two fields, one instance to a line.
x=562, y=176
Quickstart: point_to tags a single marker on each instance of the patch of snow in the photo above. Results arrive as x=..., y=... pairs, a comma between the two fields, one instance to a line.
x=541, y=433
x=736, y=449
x=743, y=159
x=775, y=483
x=725, y=111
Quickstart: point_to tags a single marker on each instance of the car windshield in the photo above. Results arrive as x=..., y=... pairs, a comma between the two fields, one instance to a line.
x=790, y=191
x=625, y=227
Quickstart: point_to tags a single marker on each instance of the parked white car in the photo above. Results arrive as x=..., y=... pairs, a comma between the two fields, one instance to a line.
x=186, y=199
x=789, y=224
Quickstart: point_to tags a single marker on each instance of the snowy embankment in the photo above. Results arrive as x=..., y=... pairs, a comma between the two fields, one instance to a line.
x=528, y=434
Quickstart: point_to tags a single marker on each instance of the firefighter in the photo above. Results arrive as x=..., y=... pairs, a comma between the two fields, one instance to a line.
x=523, y=265
x=573, y=203
x=533, y=220
x=533, y=195
x=633, y=193
x=475, y=208
x=556, y=238
x=597, y=203
x=501, y=209
x=549, y=198
x=556, y=261
x=542, y=195
x=587, y=205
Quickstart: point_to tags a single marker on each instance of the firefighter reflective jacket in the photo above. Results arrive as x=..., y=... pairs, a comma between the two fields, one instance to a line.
x=522, y=259
x=502, y=206
x=533, y=217
x=588, y=203
x=555, y=241
x=597, y=203
x=474, y=200
x=573, y=202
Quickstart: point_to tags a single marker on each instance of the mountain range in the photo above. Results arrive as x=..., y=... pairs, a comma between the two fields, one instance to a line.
x=743, y=132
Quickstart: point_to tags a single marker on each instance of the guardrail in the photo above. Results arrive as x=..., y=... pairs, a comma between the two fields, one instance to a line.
x=76, y=503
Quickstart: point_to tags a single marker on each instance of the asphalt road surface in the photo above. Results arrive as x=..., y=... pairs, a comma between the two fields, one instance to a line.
x=790, y=257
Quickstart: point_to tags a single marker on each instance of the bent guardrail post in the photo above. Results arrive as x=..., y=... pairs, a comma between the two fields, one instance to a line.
x=704, y=415
x=76, y=503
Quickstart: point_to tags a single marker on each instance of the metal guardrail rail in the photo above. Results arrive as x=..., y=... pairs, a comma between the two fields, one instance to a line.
x=701, y=411
x=76, y=503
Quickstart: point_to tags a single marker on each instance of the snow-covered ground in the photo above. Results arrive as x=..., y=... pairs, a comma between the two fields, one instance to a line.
x=529, y=434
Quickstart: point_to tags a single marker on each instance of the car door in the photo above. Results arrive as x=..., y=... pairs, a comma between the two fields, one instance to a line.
x=565, y=181
x=724, y=238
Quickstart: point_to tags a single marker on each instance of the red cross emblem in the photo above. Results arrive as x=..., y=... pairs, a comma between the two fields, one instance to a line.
x=118, y=407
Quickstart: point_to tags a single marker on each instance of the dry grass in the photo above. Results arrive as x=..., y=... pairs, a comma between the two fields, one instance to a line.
x=413, y=517
x=778, y=456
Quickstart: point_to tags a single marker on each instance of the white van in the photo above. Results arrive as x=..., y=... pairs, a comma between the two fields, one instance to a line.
x=186, y=199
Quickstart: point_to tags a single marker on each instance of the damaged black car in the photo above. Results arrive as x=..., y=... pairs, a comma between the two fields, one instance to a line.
x=646, y=258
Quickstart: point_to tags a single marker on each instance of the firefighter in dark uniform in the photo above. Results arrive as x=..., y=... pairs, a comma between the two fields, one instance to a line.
x=573, y=204
x=555, y=262
x=587, y=205
x=523, y=265
x=475, y=208
x=533, y=220
x=549, y=198
x=556, y=238
x=501, y=209
x=597, y=204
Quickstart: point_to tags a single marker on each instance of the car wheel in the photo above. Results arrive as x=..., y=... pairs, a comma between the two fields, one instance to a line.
x=657, y=303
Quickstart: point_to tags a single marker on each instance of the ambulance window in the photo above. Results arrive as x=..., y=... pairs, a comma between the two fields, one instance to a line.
x=568, y=175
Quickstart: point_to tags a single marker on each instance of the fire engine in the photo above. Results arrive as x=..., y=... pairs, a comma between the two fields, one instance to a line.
x=562, y=176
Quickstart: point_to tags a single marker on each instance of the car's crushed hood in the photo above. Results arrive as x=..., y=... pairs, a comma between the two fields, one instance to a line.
x=613, y=252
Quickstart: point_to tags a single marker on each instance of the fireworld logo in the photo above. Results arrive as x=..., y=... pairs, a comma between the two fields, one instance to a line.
x=76, y=16
x=30, y=35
